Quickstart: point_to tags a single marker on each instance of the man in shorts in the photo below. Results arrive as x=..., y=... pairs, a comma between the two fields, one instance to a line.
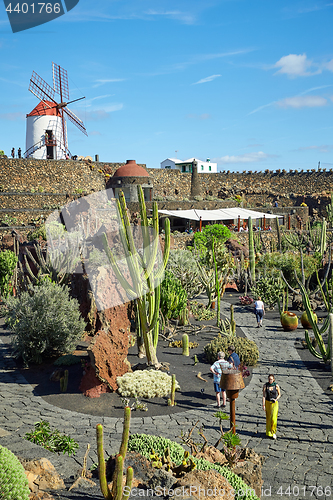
x=216, y=369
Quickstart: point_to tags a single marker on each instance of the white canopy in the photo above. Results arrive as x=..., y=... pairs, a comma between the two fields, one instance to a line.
x=220, y=214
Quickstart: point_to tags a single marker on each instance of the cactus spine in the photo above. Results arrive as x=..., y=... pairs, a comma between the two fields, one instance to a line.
x=115, y=493
x=141, y=267
x=186, y=350
x=251, y=253
x=64, y=382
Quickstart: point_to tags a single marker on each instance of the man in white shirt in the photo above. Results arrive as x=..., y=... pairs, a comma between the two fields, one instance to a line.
x=216, y=369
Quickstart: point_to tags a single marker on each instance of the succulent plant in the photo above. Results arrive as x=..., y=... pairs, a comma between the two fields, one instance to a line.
x=13, y=481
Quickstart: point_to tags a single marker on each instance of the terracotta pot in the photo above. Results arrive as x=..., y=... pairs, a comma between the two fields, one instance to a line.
x=212, y=306
x=289, y=321
x=305, y=321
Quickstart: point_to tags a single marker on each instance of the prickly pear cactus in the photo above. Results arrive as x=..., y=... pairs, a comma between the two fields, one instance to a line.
x=13, y=481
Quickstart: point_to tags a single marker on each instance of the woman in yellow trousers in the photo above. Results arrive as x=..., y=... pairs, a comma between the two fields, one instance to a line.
x=270, y=395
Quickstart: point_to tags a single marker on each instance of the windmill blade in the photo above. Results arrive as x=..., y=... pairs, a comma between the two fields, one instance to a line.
x=75, y=120
x=60, y=81
x=40, y=88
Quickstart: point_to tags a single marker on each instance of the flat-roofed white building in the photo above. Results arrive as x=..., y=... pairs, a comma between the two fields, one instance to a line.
x=204, y=167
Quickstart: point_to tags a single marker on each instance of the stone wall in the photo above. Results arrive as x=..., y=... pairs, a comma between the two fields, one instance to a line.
x=31, y=189
x=258, y=189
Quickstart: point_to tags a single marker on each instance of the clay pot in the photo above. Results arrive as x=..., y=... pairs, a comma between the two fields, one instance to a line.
x=305, y=321
x=289, y=321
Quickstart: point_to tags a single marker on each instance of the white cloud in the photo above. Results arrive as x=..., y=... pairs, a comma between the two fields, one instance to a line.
x=207, y=79
x=298, y=102
x=101, y=82
x=203, y=116
x=324, y=148
x=295, y=65
x=97, y=114
x=245, y=158
x=184, y=17
x=329, y=65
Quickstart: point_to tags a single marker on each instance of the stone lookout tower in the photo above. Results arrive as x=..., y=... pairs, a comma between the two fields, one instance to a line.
x=126, y=179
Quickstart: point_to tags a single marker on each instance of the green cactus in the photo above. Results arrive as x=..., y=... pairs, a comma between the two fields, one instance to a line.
x=324, y=352
x=323, y=237
x=173, y=391
x=142, y=270
x=278, y=232
x=186, y=350
x=252, y=253
x=13, y=481
x=232, y=321
x=116, y=492
x=217, y=287
x=64, y=382
x=329, y=210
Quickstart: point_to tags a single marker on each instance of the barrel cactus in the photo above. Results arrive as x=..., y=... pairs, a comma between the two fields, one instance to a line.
x=289, y=321
x=13, y=481
x=306, y=322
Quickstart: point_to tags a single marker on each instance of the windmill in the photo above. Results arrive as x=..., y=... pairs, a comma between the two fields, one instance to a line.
x=46, y=124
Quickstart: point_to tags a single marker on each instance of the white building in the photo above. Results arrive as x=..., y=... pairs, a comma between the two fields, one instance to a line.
x=204, y=167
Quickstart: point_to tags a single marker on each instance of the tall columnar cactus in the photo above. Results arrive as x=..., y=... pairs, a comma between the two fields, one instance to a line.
x=278, y=232
x=252, y=256
x=324, y=351
x=323, y=237
x=145, y=279
x=13, y=481
x=232, y=321
x=64, y=382
x=217, y=287
x=116, y=492
x=171, y=401
x=185, y=345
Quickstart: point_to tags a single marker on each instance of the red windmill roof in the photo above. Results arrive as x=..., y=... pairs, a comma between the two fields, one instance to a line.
x=42, y=109
x=131, y=169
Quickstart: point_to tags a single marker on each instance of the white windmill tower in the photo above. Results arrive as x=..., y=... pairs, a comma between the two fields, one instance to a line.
x=46, y=125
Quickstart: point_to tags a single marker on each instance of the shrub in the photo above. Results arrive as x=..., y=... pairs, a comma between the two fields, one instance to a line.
x=173, y=296
x=143, y=444
x=45, y=321
x=183, y=265
x=52, y=440
x=8, y=262
x=246, y=349
x=13, y=481
x=218, y=232
x=145, y=384
x=269, y=288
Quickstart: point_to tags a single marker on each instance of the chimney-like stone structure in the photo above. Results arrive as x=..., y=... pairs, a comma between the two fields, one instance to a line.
x=195, y=181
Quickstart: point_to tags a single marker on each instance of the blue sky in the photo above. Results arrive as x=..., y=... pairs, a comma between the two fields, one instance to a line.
x=246, y=84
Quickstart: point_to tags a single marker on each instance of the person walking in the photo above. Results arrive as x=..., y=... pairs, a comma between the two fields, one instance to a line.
x=19, y=153
x=13, y=153
x=259, y=310
x=216, y=369
x=270, y=395
x=233, y=356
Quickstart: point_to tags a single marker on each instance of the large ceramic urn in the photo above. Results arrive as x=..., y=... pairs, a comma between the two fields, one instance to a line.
x=232, y=381
x=289, y=321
